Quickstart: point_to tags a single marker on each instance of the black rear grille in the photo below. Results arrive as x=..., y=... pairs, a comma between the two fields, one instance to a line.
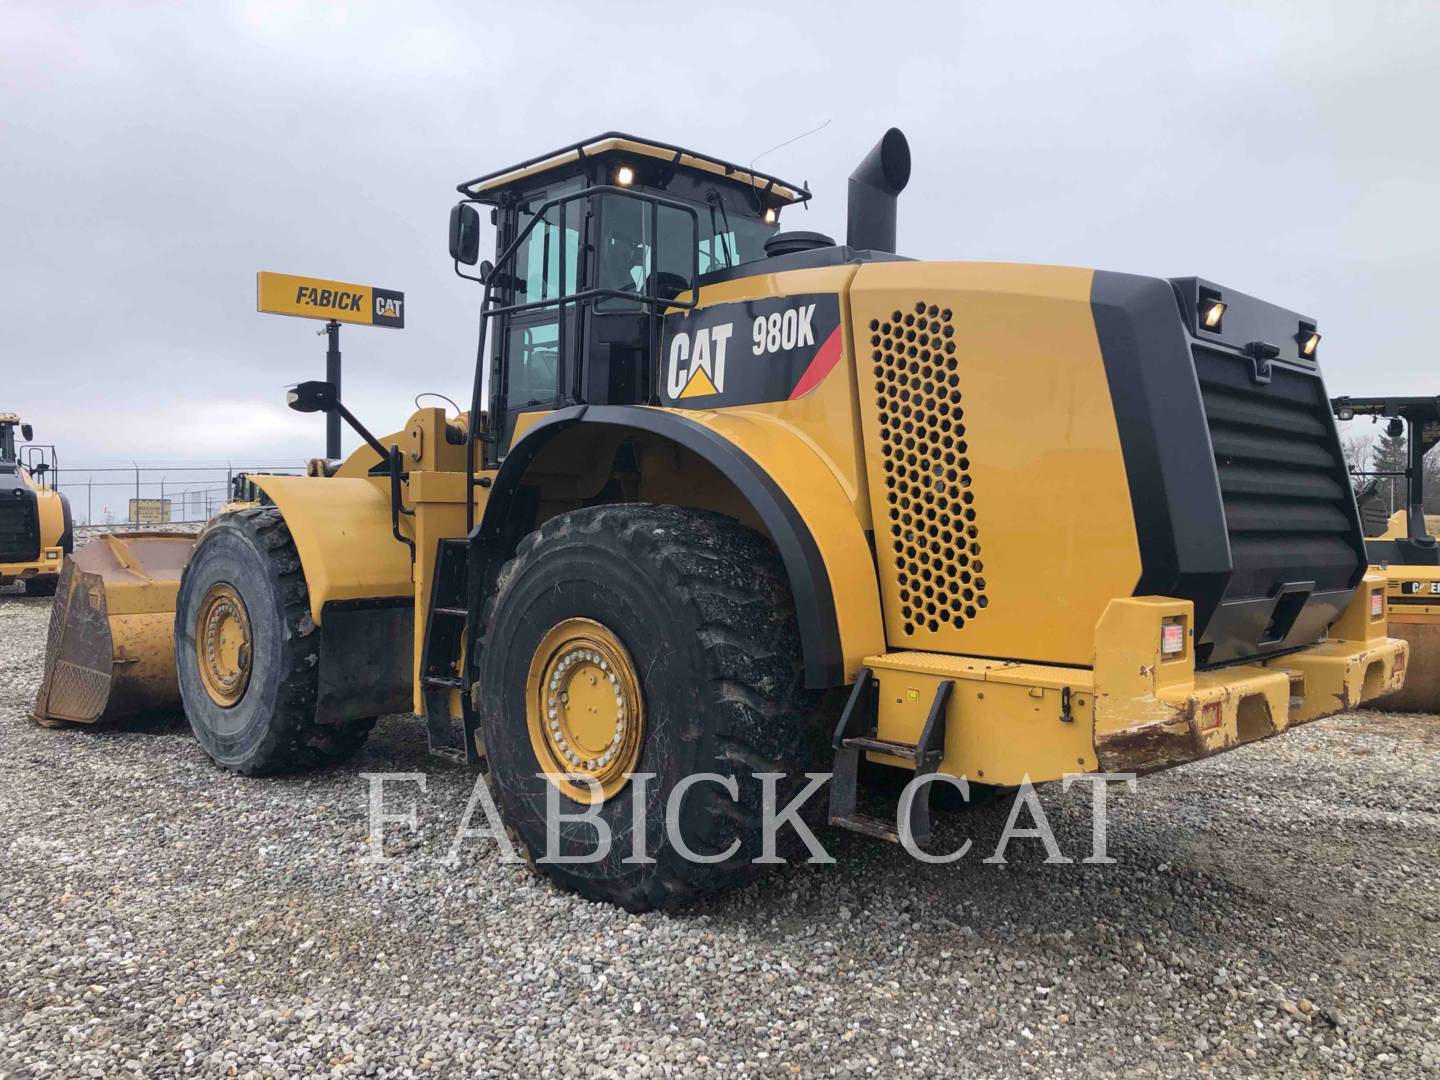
x=19, y=526
x=1288, y=507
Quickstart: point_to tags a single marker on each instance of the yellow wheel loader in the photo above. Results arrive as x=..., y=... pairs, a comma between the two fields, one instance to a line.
x=1405, y=550
x=36, y=532
x=1013, y=521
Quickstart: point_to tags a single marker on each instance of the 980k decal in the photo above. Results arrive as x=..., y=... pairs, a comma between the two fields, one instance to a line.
x=775, y=349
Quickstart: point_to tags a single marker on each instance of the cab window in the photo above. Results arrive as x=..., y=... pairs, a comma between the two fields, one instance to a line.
x=537, y=263
x=546, y=267
x=632, y=260
x=730, y=239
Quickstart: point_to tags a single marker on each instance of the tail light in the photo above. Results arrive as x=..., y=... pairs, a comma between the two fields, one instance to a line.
x=1172, y=638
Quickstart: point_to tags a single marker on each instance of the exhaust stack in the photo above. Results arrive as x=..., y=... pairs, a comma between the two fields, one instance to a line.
x=874, y=186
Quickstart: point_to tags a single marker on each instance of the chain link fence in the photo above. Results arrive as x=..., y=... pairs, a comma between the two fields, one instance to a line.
x=142, y=496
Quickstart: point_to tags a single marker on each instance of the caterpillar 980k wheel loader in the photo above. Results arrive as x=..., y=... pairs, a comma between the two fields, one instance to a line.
x=1023, y=520
x=36, y=533
x=1406, y=550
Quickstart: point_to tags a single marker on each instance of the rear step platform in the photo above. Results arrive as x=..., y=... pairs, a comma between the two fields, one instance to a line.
x=856, y=734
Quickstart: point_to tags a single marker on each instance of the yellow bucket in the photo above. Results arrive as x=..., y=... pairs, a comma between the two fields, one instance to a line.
x=111, y=649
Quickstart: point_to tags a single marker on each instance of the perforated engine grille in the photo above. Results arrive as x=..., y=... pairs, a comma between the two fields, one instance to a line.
x=934, y=540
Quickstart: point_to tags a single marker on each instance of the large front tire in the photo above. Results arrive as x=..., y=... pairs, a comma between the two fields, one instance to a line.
x=698, y=608
x=249, y=686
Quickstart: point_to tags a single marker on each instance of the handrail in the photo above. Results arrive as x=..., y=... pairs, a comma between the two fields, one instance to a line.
x=507, y=257
x=397, y=505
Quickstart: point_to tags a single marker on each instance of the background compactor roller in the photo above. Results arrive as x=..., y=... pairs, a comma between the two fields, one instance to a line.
x=1021, y=520
x=36, y=531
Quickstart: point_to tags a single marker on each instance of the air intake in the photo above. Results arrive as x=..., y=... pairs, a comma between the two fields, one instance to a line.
x=874, y=187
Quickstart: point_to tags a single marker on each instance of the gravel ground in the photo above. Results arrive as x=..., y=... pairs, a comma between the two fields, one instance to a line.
x=1273, y=909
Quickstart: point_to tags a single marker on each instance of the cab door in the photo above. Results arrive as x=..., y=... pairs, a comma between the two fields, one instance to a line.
x=538, y=348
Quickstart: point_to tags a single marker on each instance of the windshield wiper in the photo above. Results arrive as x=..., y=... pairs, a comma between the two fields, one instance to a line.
x=713, y=198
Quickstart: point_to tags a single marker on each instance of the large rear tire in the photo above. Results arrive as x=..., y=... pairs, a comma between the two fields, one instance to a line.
x=692, y=614
x=249, y=686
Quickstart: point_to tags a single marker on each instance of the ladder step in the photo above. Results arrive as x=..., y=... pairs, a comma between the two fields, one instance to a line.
x=870, y=826
x=907, y=751
x=442, y=680
x=453, y=612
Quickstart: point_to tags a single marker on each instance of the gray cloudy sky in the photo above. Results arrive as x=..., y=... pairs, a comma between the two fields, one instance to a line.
x=152, y=158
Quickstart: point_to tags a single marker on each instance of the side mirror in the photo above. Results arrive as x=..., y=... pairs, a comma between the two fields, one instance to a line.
x=27, y=432
x=464, y=234
x=315, y=396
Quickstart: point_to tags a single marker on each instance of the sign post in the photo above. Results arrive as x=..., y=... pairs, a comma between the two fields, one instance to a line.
x=332, y=376
x=335, y=302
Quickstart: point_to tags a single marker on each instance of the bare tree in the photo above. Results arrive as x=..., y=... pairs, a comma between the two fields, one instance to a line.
x=1358, y=449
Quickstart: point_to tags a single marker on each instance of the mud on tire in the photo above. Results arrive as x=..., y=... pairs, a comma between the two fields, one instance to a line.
x=703, y=607
x=272, y=728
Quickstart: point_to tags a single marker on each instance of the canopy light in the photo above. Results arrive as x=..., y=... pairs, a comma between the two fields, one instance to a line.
x=1211, y=312
x=624, y=176
x=771, y=216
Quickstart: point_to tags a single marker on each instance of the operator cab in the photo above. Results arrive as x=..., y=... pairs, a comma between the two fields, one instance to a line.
x=9, y=425
x=1417, y=420
x=627, y=228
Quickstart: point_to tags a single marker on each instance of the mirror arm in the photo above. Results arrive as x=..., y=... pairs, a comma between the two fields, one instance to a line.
x=362, y=431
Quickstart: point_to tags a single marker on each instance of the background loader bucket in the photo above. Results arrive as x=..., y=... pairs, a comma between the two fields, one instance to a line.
x=111, y=652
x=1421, y=692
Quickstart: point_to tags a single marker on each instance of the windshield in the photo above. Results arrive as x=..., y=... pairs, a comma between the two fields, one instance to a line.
x=728, y=239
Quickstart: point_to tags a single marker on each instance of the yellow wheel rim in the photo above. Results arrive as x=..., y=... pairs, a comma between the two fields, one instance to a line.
x=583, y=709
x=223, y=645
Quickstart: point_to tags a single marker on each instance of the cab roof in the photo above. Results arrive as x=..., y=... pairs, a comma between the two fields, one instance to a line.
x=487, y=188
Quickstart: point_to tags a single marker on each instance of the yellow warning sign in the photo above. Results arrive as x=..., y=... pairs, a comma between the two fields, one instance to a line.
x=149, y=511
x=317, y=298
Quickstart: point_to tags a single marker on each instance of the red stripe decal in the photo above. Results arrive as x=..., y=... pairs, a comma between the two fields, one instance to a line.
x=826, y=358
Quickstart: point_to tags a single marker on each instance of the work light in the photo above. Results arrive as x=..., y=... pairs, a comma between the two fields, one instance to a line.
x=1211, y=312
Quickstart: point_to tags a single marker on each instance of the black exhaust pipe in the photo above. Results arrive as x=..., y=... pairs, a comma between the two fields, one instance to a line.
x=873, y=190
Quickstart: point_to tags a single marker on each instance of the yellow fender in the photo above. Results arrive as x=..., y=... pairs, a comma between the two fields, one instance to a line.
x=781, y=483
x=341, y=528
x=825, y=509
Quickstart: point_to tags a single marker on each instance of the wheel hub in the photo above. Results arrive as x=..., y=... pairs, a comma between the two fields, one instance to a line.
x=223, y=644
x=584, y=710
